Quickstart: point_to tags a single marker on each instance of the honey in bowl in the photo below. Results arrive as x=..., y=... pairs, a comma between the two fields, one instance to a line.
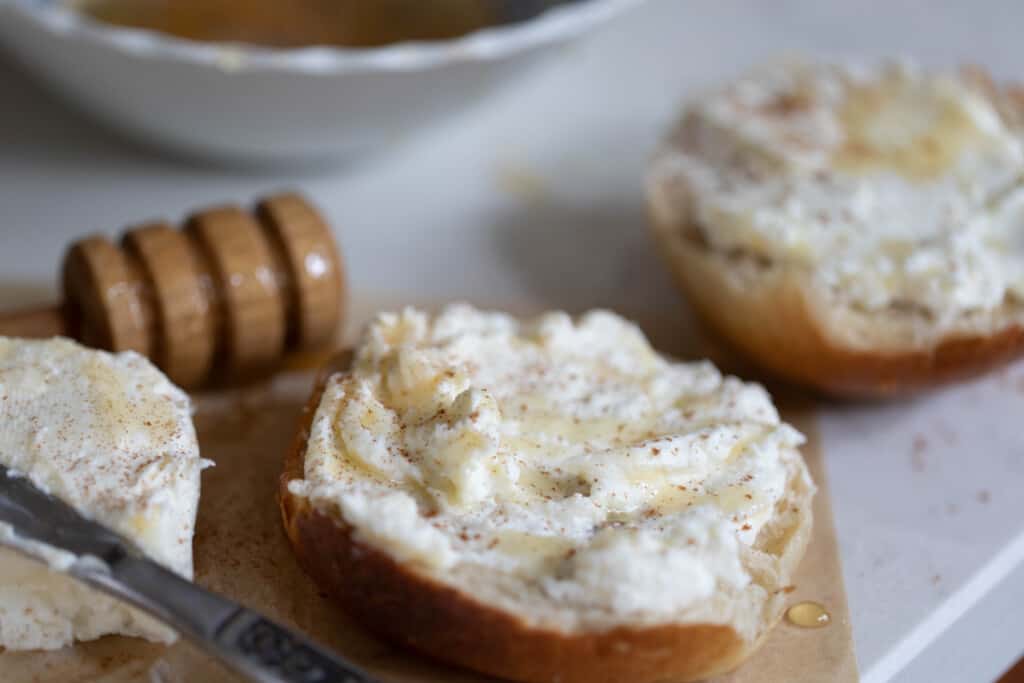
x=298, y=23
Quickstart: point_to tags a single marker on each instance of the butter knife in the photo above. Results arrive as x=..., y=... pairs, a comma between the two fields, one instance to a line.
x=246, y=641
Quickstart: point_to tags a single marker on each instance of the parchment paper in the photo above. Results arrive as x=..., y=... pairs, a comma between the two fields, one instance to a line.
x=241, y=551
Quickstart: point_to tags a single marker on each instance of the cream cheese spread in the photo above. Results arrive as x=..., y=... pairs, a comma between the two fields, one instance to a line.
x=567, y=453
x=110, y=435
x=894, y=186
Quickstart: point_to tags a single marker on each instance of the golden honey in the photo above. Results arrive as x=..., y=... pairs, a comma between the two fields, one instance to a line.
x=917, y=133
x=299, y=23
x=808, y=615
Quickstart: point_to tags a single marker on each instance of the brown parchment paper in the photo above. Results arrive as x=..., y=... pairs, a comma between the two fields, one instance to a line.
x=241, y=552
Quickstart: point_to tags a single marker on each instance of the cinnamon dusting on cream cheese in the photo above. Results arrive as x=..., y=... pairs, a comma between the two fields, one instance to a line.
x=567, y=453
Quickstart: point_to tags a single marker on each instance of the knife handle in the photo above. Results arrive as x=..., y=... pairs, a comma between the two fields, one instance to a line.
x=259, y=645
x=251, y=644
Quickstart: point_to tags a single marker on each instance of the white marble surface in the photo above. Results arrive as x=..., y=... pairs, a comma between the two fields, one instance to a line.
x=536, y=197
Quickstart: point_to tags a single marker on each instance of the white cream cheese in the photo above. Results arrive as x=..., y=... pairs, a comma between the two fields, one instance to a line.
x=110, y=435
x=896, y=187
x=569, y=453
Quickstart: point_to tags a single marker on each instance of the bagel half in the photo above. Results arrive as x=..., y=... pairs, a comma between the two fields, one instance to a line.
x=770, y=302
x=479, y=618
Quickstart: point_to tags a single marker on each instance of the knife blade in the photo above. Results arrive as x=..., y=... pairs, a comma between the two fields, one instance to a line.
x=48, y=529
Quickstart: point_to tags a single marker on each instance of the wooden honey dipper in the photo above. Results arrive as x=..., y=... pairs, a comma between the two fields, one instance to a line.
x=223, y=297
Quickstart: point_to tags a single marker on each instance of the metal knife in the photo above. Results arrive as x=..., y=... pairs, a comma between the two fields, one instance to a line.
x=246, y=641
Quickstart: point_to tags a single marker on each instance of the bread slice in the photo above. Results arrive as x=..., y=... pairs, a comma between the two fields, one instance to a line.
x=776, y=311
x=499, y=623
x=111, y=436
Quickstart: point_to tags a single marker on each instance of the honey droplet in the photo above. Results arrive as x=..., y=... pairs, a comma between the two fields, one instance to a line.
x=808, y=615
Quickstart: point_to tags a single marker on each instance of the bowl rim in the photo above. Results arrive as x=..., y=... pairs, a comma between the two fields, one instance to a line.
x=557, y=22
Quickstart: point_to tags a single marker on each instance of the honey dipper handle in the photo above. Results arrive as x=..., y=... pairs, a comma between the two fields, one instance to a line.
x=34, y=323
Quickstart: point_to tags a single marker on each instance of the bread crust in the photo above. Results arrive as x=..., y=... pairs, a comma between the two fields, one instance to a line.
x=413, y=609
x=775, y=322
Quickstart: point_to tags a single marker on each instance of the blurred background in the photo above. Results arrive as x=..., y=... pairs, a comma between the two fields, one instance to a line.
x=504, y=165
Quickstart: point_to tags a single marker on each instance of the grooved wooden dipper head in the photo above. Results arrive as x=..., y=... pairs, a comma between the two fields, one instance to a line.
x=224, y=297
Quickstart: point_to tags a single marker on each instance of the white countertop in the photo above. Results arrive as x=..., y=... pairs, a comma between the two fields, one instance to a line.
x=536, y=197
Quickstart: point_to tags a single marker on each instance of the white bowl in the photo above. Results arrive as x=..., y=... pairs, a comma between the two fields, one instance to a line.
x=251, y=104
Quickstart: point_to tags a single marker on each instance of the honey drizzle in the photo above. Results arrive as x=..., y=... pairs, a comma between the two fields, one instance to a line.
x=808, y=614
